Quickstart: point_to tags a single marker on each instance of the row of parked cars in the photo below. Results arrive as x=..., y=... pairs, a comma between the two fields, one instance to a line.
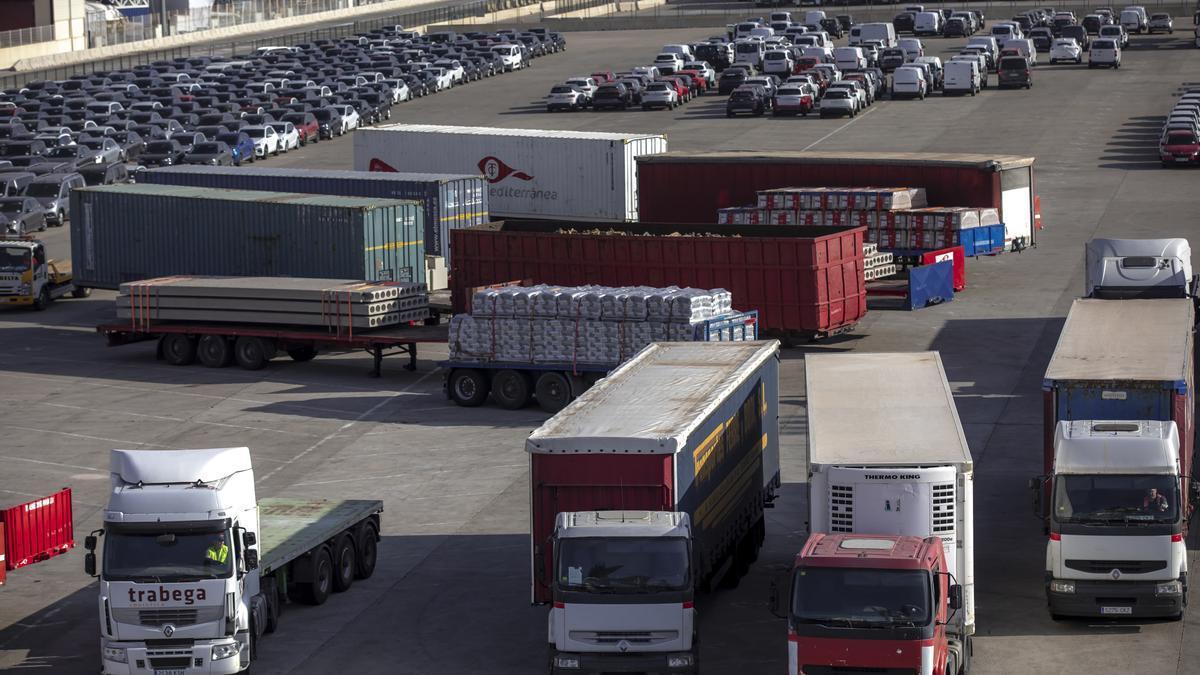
x=675, y=77
x=104, y=126
x=1179, y=144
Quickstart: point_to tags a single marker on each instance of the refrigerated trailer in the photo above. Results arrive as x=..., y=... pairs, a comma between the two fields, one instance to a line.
x=679, y=444
x=195, y=569
x=887, y=456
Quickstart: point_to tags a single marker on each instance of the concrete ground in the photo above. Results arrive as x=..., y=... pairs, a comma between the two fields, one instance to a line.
x=451, y=592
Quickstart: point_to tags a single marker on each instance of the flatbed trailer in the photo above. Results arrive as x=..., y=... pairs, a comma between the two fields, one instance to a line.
x=251, y=345
x=292, y=528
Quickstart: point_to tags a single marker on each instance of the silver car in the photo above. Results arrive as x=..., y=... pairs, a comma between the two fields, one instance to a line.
x=53, y=192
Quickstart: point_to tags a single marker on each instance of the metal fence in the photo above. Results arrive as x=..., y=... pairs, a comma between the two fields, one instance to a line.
x=26, y=36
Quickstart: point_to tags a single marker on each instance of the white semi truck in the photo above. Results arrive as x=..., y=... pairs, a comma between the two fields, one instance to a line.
x=194, y=568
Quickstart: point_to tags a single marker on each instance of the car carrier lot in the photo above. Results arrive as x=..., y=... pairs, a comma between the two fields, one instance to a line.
x=451, y=594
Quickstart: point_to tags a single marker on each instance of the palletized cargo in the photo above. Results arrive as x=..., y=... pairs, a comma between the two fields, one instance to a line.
x=126, y=233
x=803, y=281
x=531, y=173
x=37, y=530
x=449, y=201
x=692, y=186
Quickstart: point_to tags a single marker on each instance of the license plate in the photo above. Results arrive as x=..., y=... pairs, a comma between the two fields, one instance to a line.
x=172, y=671
x=1181, y=159
x=1116, y=610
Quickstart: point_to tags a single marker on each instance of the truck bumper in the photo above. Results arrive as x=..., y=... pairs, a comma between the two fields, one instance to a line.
x=194, y=660
x=17, y=299
x=1116, y=600
x=617, y=662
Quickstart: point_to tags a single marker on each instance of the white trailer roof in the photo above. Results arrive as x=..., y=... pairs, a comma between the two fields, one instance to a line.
x=888, y=409
x=500, y=131
x=653, y=402
x=1105, y=340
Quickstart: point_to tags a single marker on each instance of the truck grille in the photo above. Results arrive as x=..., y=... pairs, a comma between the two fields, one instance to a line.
x=158, y=617
x=810, y=669
x=1125, y=566
x=612, y=637
x=171, y=663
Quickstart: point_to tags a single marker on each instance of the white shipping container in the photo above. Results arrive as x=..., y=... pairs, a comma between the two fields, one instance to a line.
x=531, y=173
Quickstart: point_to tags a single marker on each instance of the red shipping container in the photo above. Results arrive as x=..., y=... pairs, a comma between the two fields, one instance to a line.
x=690, y=187
x=37, y=530
x=3, y=557
x=804, y=281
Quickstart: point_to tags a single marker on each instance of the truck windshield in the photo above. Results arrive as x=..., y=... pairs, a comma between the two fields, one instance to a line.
x=623, y=565
x=845, y=596
x=14, y=259
x=164, y=556
x=1116, y=499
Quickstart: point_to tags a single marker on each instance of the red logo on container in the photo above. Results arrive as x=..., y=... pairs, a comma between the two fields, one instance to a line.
x=380, y=165
x=495, y=171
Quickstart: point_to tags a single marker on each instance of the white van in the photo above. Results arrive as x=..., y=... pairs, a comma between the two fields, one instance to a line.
x=762, y=32
x=823, y=39
x=980, y=61
x=928, y=23
x=1132, y=21
x=883, y=32
x=749, y=52
x=814, y=18
x=1025, y=46
x=909, y=81
x=683, y=50
x=989, y=43
x=510, y=56
x=743, y=30
x=962, y=77
x=823, y=53
x=849, y=58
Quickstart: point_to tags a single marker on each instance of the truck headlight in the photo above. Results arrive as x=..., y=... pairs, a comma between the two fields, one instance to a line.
x=222, y=652
x=679, y=660
x=1061, y=586
x=1169, y=588
x=566, y=661
x=117, y=654
x=24, y=289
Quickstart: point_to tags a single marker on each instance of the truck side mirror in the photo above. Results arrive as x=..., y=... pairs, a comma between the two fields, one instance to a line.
x=1036, y=485
x=776, y=603
x=89, y=564
x=251, y=556
x=1194, y=491
x=956, y=598
x=89, y=542
x=249, y=539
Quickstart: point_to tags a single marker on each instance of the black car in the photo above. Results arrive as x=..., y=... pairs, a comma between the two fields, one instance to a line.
x=846, y=21
x=731, y=79
x=163, y=153
x=955, y=28
x=215, y=153
x=904, y=22
x=833, y=27
x=612, y=95
x=330, y=121
x=104, y=174
x=749, y=98
x=891, y=59
x=1079, y=33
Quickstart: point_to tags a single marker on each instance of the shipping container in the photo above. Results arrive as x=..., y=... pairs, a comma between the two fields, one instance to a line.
x=531, y=173
x=804, y=281
x=37, y=530
x=449, y=201
x=691, y=186
x=1123, y=360
x=631, y=442
x=132, y=232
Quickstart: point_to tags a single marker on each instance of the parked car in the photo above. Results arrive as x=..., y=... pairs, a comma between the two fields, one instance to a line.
x=53, y=192
x=1066, y=49
x=214, y=153
x=1161, y=22
x=165, y=152
x=1106, y=53
x=612, y=95
x=1014, y=71
x=306, y=126
x=794, y=99
x=565, y=97
x=660, y=95
x=748, y=98
x=731, y=79
x=105, y=174
x=909, y=82
x=839, y=102
x=1180, y=146
x=240, y=145
x=1117, y=33
x=289, y=136
x=265, y=138
x=21, y=215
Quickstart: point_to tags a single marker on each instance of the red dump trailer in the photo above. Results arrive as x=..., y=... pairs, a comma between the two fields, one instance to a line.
x=36, y=530
x=690, y=187
x=805, y=282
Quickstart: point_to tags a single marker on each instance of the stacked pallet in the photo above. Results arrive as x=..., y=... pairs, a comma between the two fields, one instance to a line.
x=876, y=265
x=336, y=304
x=579, y=324
x=895, y=217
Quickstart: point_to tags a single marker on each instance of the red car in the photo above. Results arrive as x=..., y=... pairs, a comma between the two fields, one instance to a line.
x=685, y=94
x=804, y=63
x=1179, y=146
x=602, y=76
x=306, y=125
x=698, y=78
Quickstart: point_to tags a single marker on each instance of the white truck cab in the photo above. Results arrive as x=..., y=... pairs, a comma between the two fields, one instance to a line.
x=606, y=562
x=1116, y=520
x=1139, y=268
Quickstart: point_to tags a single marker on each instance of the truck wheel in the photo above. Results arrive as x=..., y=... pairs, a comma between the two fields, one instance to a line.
x=553, y=391
x=468, y=387
x=316, y=592
x=511, y=389
x=213, y=351
x=272, y=593
x=251, y=353
x=177, y=349
x=368, y=549
x=43, y=299
x=81, y=292
x=302, y=354
x=344, y=565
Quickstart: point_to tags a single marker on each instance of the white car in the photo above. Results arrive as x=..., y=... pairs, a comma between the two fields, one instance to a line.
x=854, y=88
x=443, y=78
x=349, y=115
x=453, y=67
x=838, y=102
x=1117, y=33
x=585, y=84
x=266, y=140
x=289, y=136
x=1161, y=22
x=778, y=62
x=913, y=48
x=659, y=95
x=565, y=97
x=1104, y=53
x=400, y=90
x=704, y=69
x=1066, y=49
x=909, y=81
x=670, y=60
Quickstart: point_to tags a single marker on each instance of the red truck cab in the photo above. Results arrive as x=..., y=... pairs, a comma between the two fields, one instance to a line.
x=876, y=603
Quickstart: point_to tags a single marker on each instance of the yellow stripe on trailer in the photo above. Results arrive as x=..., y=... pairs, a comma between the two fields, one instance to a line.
x=395, y=245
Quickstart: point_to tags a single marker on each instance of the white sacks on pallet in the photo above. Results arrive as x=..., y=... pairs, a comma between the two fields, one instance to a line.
x=589, y=324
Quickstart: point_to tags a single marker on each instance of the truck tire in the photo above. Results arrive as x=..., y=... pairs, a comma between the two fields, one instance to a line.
x=344, y=565
x=511, y=389
x=213, y=351
x=302, y=354
x=553, y=391
x=368, y=549
x=81, y=292
x=43, y=299
x=271, y=590
x=251, y=353
x=316, y=591
x=178, y=349
x=468, y=387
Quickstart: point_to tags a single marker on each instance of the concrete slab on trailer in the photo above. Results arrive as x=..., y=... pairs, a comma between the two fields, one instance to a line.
x=271, y=318
x=315, y=307
x=882, y=409
x=1105, y=340
x=283, y=288
x=290, y=527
